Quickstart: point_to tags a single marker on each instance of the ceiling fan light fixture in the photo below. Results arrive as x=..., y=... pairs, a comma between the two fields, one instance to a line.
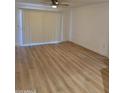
x=54, y=6
x=57, y=3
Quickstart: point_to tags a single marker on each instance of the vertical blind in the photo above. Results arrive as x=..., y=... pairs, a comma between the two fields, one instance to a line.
x=40, y=27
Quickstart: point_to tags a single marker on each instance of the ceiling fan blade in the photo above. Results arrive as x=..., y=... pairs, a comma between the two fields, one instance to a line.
x=46, y=3
x=53, y=2
x=62, y=4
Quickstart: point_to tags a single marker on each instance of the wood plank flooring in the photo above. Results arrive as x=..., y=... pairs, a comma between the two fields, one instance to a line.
x=61, y=68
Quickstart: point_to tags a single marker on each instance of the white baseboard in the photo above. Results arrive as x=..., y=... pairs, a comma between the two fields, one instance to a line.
x=34, y=44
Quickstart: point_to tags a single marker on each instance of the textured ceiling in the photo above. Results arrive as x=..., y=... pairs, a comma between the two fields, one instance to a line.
x=70, y=2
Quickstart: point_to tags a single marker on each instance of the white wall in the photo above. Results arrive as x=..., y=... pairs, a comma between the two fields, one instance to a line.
x=90, y=27
x=66, y=24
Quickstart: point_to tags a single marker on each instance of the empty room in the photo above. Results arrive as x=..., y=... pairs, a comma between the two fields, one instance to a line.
x=62, y=46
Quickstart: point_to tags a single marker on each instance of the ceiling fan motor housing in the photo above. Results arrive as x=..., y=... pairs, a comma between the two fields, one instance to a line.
x=55, y=2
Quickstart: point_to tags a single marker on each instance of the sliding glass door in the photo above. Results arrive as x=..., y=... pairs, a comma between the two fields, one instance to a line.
x=40, y=27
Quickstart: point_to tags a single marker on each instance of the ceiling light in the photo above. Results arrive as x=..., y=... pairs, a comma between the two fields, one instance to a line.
x=54, y=6
x=57, y=2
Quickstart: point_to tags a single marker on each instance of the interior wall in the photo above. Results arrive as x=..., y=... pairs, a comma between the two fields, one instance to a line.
x=66, y=24
x=90, y=27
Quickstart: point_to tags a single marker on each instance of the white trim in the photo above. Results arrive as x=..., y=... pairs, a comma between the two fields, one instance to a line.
x=34, y=44
x=20, y=26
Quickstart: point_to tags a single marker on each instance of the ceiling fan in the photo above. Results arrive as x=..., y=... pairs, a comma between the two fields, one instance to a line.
x=55, y=3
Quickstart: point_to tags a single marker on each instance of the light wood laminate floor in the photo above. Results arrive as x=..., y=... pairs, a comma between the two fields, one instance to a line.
x=61, y=68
